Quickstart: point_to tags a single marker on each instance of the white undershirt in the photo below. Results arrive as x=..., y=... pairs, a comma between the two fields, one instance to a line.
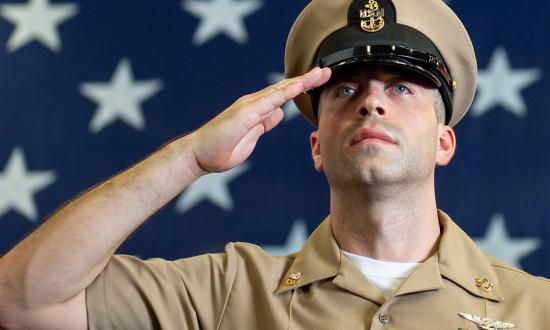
x=385, y=275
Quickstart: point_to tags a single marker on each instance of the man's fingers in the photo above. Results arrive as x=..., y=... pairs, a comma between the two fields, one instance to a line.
x=258, y=107
x=278, y=94
x=273, y=119
x=316, y=78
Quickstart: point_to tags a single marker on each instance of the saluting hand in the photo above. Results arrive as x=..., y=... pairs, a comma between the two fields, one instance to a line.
x=227, y=140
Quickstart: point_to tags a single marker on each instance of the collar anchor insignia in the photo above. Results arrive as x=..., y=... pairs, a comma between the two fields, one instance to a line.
x=292, y=279
x=484, y=284
x=372, y=17
x=486, y=323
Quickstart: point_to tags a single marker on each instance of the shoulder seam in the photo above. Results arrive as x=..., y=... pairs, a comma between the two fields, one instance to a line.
x=519, y=271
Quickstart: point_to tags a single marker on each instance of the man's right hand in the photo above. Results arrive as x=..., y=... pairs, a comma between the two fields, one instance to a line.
x=229, y=138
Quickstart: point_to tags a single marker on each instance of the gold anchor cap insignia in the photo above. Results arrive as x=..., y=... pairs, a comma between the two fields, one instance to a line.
x=484, y=284
x=372, y=17
x=486, y=323
x=292, y=278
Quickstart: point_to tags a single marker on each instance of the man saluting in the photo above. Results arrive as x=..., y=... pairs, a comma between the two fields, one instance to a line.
x=384, y=82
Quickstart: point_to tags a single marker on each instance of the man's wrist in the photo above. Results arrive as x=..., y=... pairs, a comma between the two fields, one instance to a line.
x=181, y=153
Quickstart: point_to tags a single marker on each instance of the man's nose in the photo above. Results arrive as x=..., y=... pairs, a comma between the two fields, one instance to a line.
x=372, y=105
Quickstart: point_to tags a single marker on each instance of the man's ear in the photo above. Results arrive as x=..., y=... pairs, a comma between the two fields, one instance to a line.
x=446, y=145
x=316, y=150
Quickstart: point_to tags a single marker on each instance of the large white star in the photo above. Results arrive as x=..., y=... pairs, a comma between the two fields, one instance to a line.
x=36, y=20
x=213, y=187
x=18, y=186
x=290, y=109
x=296, y=237
x=497, y=242
x=120, y=98
x=501, y=85
x=221, y=16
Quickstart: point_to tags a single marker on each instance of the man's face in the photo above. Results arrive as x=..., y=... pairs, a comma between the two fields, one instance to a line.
x=378, y=125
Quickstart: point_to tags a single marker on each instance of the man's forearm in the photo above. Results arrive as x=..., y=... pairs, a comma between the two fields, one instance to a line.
x=62, y=258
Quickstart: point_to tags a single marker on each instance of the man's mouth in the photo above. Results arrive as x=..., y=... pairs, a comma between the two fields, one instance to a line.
x=370, y=135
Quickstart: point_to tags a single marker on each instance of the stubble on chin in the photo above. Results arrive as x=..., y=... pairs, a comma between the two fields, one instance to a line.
x=368, y=167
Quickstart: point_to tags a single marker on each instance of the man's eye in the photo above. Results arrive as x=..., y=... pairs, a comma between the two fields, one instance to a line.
x=401, y=89
x=345, y=91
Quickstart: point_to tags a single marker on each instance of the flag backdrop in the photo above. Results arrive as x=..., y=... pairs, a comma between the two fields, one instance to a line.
x=87, y=88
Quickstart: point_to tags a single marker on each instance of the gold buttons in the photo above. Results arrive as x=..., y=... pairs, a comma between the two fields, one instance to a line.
x=454, y=84
x=484, y=284
x=291, y=280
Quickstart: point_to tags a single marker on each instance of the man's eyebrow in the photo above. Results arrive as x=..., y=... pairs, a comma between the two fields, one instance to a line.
x=412, y=78
x=346, y=78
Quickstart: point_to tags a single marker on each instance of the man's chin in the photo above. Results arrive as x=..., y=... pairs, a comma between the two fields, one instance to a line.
x=364, y=177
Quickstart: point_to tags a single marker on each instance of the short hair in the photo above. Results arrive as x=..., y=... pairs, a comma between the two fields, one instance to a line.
x=439, y=106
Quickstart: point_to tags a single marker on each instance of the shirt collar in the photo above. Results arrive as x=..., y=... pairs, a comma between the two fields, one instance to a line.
x=461, y=261
x=458, y=260
x=318, y=259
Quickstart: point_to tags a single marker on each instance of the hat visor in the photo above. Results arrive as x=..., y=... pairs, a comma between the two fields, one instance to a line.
x=416, y=61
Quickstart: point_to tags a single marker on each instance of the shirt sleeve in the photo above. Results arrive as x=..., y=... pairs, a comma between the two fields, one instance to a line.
x=190, y=293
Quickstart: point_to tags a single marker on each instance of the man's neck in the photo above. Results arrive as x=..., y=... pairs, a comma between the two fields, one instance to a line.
x=387, y=223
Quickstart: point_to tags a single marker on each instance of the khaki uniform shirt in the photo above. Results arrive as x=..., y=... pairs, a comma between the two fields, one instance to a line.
x=316, y=288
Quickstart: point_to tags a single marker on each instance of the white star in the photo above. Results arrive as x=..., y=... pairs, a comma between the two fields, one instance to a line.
x=221, y=16
x=296, y=237
x=120, y=98
x=17, y=186
x=497, y=242
x=36, y=20
x=501, y=85
x=213, y=187
x=290, y=109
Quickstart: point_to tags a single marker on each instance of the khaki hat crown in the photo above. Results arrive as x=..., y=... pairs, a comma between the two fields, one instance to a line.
x=322, y=20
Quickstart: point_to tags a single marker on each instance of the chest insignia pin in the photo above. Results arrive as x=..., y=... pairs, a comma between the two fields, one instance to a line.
x=486, y=323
